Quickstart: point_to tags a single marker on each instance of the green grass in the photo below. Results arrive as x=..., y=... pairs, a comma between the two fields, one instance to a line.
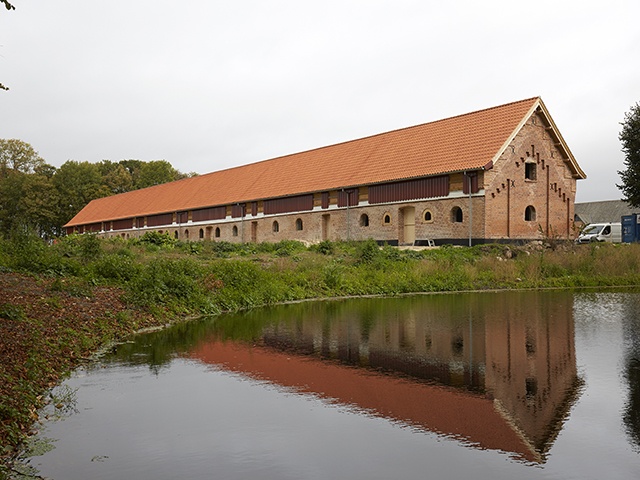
x=208, y=277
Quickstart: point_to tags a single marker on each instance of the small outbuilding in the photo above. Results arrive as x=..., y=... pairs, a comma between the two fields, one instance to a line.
x=608, y=211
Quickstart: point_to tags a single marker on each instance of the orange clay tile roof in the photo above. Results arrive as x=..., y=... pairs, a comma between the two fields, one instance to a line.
x=464, y=142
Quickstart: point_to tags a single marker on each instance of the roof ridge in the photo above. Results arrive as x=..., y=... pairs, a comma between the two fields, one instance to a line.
x=345, y=142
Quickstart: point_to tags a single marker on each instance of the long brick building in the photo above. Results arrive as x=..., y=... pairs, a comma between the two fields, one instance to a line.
x=500, y=174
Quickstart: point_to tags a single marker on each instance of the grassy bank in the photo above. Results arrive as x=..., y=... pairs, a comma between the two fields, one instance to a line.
x=61, y=302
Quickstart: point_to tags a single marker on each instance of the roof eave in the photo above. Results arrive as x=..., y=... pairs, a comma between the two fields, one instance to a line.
x=560, y=143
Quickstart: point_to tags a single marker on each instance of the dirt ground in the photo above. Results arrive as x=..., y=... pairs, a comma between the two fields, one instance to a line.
x=45, y=332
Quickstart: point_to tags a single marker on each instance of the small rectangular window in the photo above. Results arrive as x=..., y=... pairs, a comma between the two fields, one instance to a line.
x=325, y=199
x=530, y=171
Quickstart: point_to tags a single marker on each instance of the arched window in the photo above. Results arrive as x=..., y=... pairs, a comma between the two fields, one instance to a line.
x=235, y=231
x=457, y=346
x=386, y=219
x=456, y=215
x=299, y=224
x=175, y=234
x=364, y=220
x=217, y=232
x=530, y=214
x=201, y=233
x=275, y=227
x=427, y=216
x=186, y=234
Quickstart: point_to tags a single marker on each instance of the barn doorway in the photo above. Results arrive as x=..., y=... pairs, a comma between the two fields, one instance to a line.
x=408, y=232
x=325, y=226
x=254, y=232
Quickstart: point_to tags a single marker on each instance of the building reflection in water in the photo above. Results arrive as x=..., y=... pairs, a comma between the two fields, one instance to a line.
x=496, y=371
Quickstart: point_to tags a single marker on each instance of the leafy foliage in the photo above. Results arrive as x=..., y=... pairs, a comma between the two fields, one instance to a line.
x=630, y=138
x=158, y=239
x=18, y=156
x=286, y=248
x=368, y=251
x=325, y=247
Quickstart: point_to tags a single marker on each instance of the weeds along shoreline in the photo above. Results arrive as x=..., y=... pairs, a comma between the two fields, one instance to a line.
x=61, y=303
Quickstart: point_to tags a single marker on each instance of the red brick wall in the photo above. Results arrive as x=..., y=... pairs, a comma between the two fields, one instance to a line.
x=508, y=192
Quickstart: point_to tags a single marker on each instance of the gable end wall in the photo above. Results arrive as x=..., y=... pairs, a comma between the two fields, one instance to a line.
x=508, y=193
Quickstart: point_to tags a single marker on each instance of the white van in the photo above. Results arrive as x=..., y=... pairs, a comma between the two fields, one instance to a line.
x=601, y=232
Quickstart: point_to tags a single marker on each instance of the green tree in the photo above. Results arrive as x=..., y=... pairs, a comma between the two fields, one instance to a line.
x=39, y=205
x=18, y=156
x=630, y=138
x=156, y=172
x=133, y=167
x=77, y=183
x=116, y=177
x=12, y=215
x=27, y=195
x=28, y=203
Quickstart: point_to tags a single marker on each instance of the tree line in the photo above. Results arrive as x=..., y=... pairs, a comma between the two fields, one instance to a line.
x=38, y=197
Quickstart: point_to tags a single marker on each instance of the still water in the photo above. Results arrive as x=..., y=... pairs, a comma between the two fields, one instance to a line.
x=528, y=385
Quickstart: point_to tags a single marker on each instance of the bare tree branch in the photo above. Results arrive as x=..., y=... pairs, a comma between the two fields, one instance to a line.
x=9, y=7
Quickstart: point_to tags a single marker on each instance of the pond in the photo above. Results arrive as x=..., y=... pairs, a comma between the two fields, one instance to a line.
x=527, y=385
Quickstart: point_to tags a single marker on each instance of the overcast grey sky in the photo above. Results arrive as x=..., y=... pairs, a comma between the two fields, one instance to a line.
x=208, y=84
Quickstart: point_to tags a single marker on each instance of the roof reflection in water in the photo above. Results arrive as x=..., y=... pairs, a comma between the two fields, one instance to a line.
x=496, y=371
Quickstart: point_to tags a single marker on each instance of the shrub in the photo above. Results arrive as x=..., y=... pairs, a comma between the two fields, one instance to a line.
x=87, y=246
x=287, y=248
x=367, y=251
x=246, y=284
x=27, y=253
x=90, y=246
x=158, y=239
x=115, y=267
x=325, y=247
x=221, y=249
x=30, y=254
x=332, y=275
x=394, y=254
x=192, y=248
x=167, y=282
